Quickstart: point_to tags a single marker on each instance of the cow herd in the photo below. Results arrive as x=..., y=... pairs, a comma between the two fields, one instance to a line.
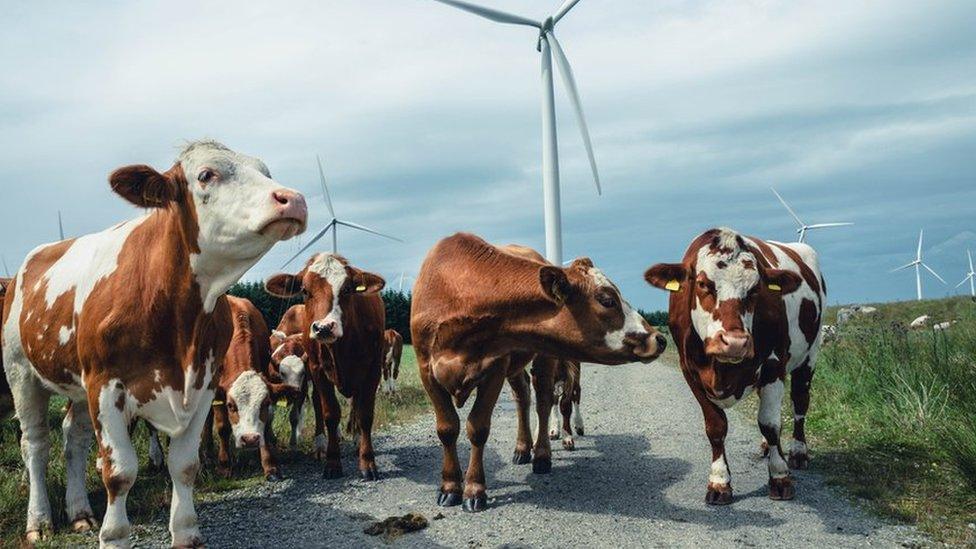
x=134, y=323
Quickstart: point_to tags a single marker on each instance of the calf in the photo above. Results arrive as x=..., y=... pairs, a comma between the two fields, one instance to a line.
x=292, y=322
x=344, y=322
x=566, y=413
x=745, y=312
x=289, y=366
x=132, y=322
x=392, y=353
x=475, y=305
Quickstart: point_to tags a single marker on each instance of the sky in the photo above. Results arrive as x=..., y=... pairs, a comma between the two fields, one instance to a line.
x=428, y=122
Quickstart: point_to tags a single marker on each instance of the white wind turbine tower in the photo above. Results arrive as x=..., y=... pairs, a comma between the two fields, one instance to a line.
x=970, y=276
x=918, y=263
x=803, y=227
x=548, y=46
x=60, y=226
x=402, y=277
x=334, y=223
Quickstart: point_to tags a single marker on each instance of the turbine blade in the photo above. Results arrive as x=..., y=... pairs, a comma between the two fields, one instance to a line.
x=60, y=226
x=970, y=256
x=325, y=188
x=570, y=83
x=788, y=208
x=965, y=280
x=493, y=14
x=563, y=10
x=825, y=225
x=905, y=266
x=366, y=229
x=935, y=274
x=918, y=254
x=311, y=242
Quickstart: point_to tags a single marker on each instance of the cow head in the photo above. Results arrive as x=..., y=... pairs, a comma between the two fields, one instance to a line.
x=288, y=363
x=249, y=409
x=231, y=209
x=327, y=282
x=600, y=323
x=723, y=279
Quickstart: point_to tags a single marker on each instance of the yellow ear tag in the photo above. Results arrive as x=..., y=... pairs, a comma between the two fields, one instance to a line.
x=775, y=287
x=282, y=403
x=360, y=288
x=218, y=403
x=672, y=286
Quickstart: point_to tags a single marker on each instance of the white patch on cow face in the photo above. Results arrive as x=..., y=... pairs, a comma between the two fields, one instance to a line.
x=250, y=394
x=734, y=274
x=292, y=371
x=633, y=321
x=330, y=269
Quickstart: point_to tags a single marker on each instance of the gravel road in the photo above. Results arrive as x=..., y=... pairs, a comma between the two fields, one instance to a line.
x=637, y=478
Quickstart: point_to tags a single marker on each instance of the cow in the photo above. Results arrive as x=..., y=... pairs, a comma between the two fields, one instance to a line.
x=475, y=305
x=292, y=322
x=245, y=392
x=6, y=399
x=392, y=353
x=344, y=320
x=566, y=415
x=133, y=322
x=744, y=313
x=289, y=366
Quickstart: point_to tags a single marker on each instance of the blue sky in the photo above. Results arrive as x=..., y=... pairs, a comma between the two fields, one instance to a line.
x=428, y=121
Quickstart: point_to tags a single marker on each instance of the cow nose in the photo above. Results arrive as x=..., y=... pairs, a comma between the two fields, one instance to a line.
x=735, y=344
x=662, y=343
x=250, y=440
x=290, y=204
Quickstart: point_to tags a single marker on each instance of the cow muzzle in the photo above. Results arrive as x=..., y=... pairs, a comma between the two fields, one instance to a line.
x=249, y=440
x=326, y=331
x=730, y=347
x=646, y=346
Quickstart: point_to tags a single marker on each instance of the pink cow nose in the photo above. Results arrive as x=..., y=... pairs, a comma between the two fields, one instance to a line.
x=735, y=345
x=250, y=440
x=290, y=204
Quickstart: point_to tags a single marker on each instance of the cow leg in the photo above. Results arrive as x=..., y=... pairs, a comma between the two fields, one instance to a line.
x=120, y=464
x=30, y=402
x=542, y=382
x=448, y=429
x=184, y=463
x=319, y=440
x=295, y=416
x=269, y=464
x=365, y=405
x=770, y=405
x=577, y=414
x=221, y=421
x=566, y=410
x=800, y=394
x=522, y=394
x=479, y=427
x=155, y=448
x=555, y=420
x=332, y=415
x=719, y=491
x=78, y=430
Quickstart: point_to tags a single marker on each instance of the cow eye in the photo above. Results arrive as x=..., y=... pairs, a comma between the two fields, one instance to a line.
x=606, y=299
x=206, y=175
x=702, y=285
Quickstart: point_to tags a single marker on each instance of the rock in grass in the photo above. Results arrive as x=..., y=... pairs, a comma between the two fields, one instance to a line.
x=394, y=527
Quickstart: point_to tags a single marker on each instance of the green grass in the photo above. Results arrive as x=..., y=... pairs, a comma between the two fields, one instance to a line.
x=893, y=415
x=149, y=498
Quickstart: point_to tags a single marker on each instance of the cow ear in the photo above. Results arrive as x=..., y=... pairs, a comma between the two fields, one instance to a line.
x=144, y=186
x=555, y=284
x=667, y=276
x=582, y=262
x=283, y=285
x=782, y=282
x=367, y=283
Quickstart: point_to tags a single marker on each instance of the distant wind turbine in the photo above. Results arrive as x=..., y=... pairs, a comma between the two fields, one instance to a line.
x=970, y=276
x=60, y=226
x=803, y=227
x=918, y=263
x=334, y=223
x=400, y=286
x=549, y=46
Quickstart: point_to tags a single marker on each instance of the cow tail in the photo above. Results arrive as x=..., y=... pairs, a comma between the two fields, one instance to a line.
x=352, y=425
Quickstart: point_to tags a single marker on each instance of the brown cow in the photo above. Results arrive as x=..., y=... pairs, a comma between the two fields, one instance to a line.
x=289, y=366
x=392, y=353
x=344, y=323
x=474, y=305
x=6, y=399
x=132, y=322
x=745, y=312
x=292, y=322
x=242, y=404
x=566, y=414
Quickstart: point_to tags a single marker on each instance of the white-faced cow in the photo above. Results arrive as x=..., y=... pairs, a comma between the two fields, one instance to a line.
x=474, y=305
x=132, y=322
x=392, y=353
x=289, y=366
x=344, y=320
x=744, y=313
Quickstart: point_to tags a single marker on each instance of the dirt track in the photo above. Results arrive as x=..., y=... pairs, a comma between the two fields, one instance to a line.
x=637, y=478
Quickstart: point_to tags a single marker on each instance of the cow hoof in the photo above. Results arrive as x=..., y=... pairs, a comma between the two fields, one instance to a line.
x=781, y=489
x=273, y=477
x=193, y=543
x=569, y=444
x=718, y=494
x=554, y=435
x=475, y=504
x=43, y=533
x=332, y=471
x=579, y=431
x=448, y=499
x=521, y=458
x=84, y=523
x=370, y=474
x=799, y=461
x=542, y=466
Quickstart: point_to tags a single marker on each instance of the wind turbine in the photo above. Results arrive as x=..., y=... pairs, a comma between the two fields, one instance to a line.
x=400, y=285
x=60, y=225
x=334, y=223
x=548, y=46
x=918, y=263
x=803, y=227
x=970, y=276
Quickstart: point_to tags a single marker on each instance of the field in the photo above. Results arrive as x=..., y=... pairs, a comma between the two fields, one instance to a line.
x=893, y=415
x=149, y=498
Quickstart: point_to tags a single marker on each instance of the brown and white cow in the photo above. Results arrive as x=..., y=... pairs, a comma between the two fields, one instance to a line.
x=566, y=415
x=245, y=393
x=6, y=399
x=292, y=322
x=344, y=321
x=132, y=322
x=745, y=312
x=475, y=305
x=392, y=353
x=289, y=366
